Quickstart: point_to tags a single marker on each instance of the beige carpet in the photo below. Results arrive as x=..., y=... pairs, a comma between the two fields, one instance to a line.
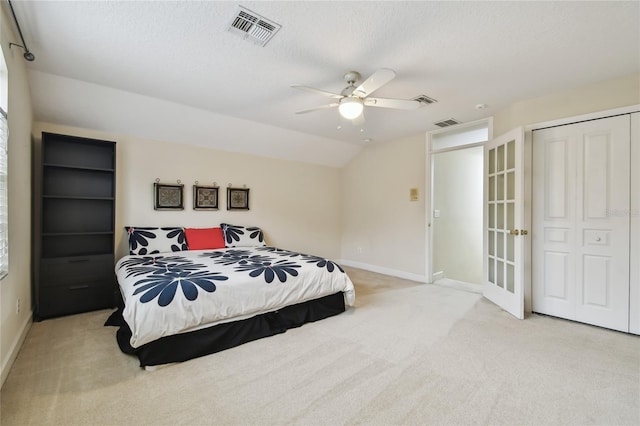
x=408, y=353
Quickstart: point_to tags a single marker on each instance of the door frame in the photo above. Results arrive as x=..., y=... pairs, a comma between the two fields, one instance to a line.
x=429, y=179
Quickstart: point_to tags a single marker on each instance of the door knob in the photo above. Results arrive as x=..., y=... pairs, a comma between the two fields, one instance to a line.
x=524, y=232
x=514, y=232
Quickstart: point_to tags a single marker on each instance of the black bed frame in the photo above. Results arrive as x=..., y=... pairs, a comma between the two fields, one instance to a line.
x=193, y=344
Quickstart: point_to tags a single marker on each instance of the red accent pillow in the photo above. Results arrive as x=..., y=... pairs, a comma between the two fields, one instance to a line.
x=204, y=238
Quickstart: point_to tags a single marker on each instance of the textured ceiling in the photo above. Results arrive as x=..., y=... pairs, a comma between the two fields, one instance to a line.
x=460, y=53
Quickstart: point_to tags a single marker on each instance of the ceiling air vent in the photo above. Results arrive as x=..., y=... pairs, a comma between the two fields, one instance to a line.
x=447, y=123
x=253, y=27
x=424, y=99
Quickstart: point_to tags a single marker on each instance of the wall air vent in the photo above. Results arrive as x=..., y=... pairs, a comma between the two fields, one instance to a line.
x=447, y=123
x=424, y=99
x=253, y=27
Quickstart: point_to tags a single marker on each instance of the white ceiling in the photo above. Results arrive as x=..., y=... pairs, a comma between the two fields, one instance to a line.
x=139, y=56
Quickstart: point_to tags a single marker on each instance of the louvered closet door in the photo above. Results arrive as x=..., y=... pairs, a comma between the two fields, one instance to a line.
x=580, y=245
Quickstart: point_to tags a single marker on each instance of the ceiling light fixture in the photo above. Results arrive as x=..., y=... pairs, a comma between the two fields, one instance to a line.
x=350, y=107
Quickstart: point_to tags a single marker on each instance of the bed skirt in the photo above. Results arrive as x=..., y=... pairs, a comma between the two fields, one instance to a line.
x=185, y=346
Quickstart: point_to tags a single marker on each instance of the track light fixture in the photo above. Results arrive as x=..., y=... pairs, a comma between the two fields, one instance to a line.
x=27, y=54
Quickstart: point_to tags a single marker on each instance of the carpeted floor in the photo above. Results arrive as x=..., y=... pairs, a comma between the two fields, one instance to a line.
x=408, y=353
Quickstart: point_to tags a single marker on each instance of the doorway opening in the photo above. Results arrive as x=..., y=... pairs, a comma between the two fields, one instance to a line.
x=455, y=158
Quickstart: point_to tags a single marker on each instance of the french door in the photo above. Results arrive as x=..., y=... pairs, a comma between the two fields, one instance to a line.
x=504, y=228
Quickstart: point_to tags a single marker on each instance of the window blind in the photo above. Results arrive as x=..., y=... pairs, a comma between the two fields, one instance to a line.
x=4, y=213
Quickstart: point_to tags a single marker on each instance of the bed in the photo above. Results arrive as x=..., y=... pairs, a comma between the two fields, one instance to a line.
x=178, y=305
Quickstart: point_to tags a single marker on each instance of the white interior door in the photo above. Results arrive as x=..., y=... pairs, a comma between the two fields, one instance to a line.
x=634, y=255
x=581, y=188
x=504, y=229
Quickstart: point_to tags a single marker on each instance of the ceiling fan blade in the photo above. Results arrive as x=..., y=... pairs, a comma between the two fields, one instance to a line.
x=374, y=82
x=318, y=108
x=392, y=103
x=317, y=91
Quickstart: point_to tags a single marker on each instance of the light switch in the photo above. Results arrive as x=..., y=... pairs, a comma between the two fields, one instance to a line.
x=436, y=213
x=413, y=194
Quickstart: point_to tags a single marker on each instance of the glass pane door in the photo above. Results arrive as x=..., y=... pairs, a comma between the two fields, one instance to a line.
x=503, y=223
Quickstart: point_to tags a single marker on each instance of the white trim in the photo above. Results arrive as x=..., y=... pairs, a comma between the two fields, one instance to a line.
x=458, y=147
x=527, y=177
x=428, y=273
x=383, y=270
x=584, y=117
x=634, y=249
x=428, y=262
x=15, y=348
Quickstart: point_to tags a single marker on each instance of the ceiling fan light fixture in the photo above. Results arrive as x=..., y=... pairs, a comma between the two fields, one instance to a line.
x=350, y=107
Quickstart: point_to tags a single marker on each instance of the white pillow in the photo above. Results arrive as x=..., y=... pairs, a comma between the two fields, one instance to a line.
x=242, y=236
x=145, y=240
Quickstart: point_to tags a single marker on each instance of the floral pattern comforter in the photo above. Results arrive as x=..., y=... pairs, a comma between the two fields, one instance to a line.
x=170, y=293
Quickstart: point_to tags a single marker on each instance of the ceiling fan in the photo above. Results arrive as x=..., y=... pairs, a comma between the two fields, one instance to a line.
x=352, y=99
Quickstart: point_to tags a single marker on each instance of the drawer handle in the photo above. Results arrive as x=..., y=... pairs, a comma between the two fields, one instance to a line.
x=79, y=287
x=78, y=260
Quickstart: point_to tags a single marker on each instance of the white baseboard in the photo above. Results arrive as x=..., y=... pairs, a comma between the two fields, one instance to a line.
x=383, y=270
x=15, y=348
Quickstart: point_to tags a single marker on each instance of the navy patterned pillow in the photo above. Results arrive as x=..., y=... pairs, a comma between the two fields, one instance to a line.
x=242, y=236
x=145, y=240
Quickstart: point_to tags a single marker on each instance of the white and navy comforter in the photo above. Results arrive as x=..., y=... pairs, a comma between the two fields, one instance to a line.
x=171, y=293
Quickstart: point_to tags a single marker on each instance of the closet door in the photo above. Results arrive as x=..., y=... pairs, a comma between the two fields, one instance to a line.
x=634, y=291
x=580, y=252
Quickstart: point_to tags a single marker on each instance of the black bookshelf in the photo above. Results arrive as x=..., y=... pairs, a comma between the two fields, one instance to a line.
x=74, y=222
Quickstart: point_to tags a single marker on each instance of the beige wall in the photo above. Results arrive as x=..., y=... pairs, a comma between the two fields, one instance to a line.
x=296, y=204
x=16, y=285
x=610, y=94
x=382, y=229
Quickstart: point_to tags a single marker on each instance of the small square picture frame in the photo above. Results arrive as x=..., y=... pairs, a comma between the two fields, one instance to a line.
x=237, y=198
x=205, y=197
x=168, y=196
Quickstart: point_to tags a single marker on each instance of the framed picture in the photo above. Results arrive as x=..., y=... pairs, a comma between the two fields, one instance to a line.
x=205, y=197
x=168, y=197
x=237, y=198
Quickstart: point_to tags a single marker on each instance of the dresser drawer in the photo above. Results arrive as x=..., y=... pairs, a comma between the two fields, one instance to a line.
x=75, y=298
x=76, y=270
